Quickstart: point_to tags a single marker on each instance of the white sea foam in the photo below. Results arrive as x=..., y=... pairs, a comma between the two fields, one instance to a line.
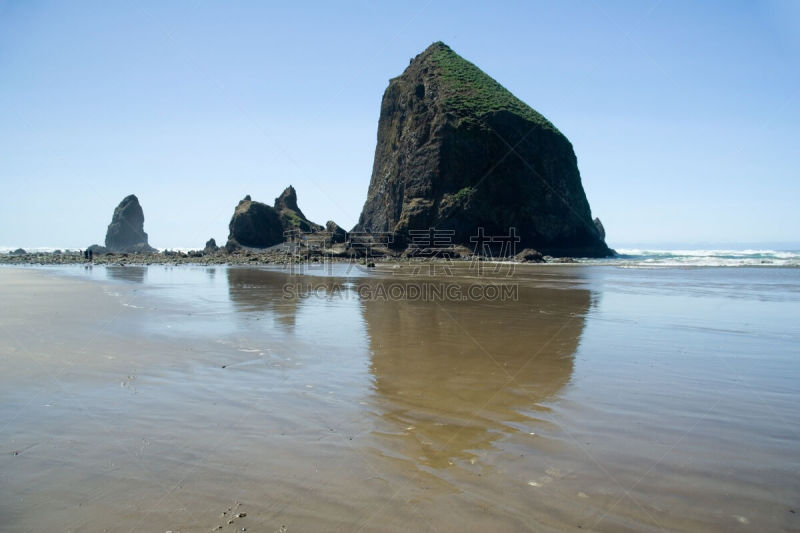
x=37, y=249
x=51, y=249
x=635, y=257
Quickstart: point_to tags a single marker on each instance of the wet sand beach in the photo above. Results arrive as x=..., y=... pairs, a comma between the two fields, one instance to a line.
x=584, y=398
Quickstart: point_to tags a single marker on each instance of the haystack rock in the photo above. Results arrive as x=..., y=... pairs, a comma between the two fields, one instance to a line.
x=126, y=231
x=457, y=151
x=254, y=225
x=291, y=216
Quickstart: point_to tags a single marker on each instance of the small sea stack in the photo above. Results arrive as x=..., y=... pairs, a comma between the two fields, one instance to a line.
x=125, y=233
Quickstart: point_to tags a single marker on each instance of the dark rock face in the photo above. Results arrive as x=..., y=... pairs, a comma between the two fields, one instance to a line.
x=291, y=216
x=126, y=231
x=338, y=235
x=457, y=151
x=211, y=247
x=288, y=200
x=254, y=225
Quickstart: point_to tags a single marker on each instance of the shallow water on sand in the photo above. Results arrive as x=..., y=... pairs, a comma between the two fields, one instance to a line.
x=588, y=397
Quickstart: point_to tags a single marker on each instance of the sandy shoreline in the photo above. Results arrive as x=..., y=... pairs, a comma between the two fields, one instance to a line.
x=175, y=398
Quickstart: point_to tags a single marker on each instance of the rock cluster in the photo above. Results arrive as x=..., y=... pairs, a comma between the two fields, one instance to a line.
x=457, y=157
x=257, y=225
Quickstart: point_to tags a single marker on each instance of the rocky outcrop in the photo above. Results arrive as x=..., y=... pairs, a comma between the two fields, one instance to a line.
x=126, y=231
x=254, y=225
x=456, y=151
x=96, y=249
x=211, y=247
x=337, y=233
x=529, y=255
x=292, y=218
x=600, y=229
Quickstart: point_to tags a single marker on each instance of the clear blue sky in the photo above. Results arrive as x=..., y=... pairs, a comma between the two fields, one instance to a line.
x=684, y=115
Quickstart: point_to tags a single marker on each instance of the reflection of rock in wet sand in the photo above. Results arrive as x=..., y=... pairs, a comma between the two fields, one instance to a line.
x=127, y=273
x=253, y=290
x=453, y=377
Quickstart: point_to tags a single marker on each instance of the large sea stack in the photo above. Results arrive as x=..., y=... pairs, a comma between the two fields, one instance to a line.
x=457, y=151
x=126, y=231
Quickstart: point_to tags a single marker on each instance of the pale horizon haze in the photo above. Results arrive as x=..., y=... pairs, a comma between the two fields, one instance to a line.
x=683, y=115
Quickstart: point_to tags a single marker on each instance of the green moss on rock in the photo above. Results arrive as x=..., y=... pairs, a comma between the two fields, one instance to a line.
x=471, y=92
